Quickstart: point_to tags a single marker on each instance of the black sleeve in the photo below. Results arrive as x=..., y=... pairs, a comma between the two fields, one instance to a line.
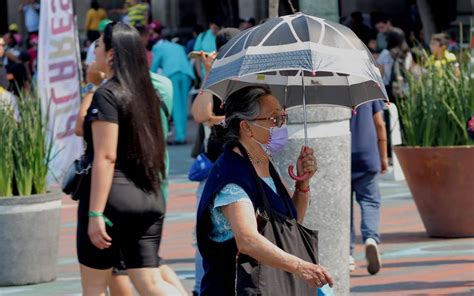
x=104, y=106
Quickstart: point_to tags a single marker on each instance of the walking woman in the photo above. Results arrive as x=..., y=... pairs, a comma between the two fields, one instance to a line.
x=226, y=221
x=120, y=215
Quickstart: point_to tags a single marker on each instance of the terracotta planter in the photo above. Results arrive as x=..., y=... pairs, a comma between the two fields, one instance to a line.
x=441, y=180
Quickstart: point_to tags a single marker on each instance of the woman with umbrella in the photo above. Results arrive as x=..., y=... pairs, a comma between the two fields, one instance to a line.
x=256, y=128
x=303, y=60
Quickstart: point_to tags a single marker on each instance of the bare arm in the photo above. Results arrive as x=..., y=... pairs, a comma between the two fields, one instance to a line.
x=300, y=200
x=94, y=76
x=86, y=102
x=12, y=57
x=250, y=242
x=381, y=140
x=105, y=138
x=202, y=107
x=306, y=163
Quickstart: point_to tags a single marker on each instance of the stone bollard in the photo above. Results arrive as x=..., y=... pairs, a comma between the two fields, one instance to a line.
x=329, y=208
x=29, y=235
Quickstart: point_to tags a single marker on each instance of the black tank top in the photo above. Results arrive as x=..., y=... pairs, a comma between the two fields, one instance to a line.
x=215, y=144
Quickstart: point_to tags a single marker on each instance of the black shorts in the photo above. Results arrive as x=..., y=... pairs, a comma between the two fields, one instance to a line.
x=121, y=268
x=136, y=234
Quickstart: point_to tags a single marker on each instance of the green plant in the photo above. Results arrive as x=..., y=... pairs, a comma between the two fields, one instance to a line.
x=438, y=103
x=27, y=152
x=6, y=153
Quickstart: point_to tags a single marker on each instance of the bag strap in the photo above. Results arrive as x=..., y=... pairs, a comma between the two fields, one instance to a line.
x=165, y=109
x=260, y=190
x=279, y=185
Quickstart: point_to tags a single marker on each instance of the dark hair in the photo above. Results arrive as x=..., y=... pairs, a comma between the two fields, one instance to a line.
x=251, y=21
x=12, y=37
x=381, y=18
x=357, y=17
x=224, y=35
x=243, y=104
x=140, y=104
x=95, y=5
x=442, y=38
x=218, y=21
x=141, y=30
x=198, y=29
x=394, y=40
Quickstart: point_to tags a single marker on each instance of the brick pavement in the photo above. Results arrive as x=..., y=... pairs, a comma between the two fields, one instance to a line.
x=414, y=264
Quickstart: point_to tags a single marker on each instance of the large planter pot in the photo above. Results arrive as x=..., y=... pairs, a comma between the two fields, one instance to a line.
x=29, y=238
x=441, y=181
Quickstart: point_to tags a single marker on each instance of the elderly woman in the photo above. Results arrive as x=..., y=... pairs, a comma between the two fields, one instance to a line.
x=227, y=223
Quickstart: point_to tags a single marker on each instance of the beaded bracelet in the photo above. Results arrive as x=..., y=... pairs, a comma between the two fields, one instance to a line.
x=305, y=190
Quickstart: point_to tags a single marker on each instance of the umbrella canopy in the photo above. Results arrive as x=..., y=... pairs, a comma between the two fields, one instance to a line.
x=335, y=65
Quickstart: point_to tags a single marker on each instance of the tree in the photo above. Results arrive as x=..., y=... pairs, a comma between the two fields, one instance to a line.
x=436, y=16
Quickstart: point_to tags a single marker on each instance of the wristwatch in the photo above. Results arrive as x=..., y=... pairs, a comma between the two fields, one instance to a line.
x=90, y=88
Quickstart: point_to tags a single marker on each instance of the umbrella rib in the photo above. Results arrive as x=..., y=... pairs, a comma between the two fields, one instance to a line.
x=271, y=32
x=342, y=35
x=237, y=41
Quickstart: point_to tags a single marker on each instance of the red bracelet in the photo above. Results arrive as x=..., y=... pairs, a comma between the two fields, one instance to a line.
x=305, y=190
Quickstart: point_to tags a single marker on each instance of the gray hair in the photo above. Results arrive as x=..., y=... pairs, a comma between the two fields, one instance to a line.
x=243, y=104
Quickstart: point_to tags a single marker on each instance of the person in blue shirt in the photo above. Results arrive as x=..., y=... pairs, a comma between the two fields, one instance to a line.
x=171, y=58
x=369, y=158
x=206, y=42
x=197, y=29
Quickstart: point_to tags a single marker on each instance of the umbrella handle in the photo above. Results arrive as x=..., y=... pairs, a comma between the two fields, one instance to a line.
x=294, y=176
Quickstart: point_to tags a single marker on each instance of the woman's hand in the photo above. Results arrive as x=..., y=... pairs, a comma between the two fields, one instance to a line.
x=93, y=75
x=208, y=60
x=306, y=163
x=97, y=233
x=315, y=275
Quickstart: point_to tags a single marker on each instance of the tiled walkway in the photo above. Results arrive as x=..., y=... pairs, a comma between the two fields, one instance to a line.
x=413, y=264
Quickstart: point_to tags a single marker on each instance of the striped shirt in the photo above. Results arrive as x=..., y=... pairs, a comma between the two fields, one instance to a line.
x=137, y=14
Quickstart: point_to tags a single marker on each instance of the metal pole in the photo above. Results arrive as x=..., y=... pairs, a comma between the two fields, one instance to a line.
x=304, y=110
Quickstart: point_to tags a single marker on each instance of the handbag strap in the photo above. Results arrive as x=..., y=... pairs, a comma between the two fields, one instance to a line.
x=261, y=192
x=279, y=184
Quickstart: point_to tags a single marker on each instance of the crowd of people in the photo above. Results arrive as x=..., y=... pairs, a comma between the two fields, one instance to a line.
x=139, y=82
x=19, y=54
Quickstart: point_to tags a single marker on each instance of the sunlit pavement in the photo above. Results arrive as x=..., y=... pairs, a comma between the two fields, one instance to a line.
x=413, y=263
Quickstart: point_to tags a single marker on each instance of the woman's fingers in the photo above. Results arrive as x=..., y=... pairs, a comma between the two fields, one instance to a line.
x=322, y=279
x=329, y=278
x=101, y=239
x=105, y=235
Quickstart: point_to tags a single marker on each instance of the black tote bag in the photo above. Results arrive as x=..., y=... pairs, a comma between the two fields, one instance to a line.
x=254, y=278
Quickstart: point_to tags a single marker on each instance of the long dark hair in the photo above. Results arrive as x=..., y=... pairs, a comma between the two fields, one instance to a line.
x=95, y=5
x=140, y=106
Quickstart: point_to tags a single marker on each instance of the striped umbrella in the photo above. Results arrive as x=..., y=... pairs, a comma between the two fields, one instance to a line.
x=304, y=60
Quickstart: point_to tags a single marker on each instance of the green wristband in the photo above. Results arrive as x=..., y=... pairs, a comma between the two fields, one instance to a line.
x=95, y=214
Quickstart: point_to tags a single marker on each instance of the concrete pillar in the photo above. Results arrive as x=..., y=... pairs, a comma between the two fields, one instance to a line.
x=327, y=9
x=158, y=10
x=329, y=208
x=330, y=137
